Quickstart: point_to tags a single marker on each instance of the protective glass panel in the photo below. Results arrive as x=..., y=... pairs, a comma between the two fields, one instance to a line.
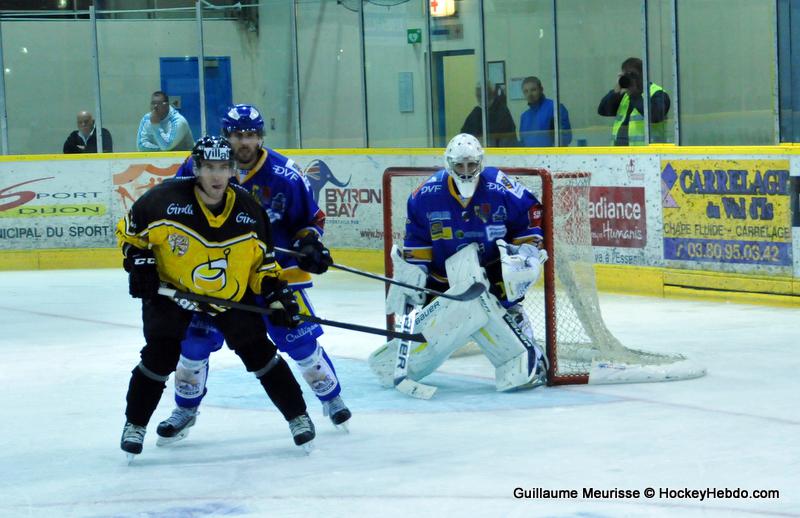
x=520, y=40
x=164, y=58
x=715, y=108
x=249, y=60
x=592, y=45
x=457, y=98
x=661, y=70
x=396, y=71
x=46, y=87
x=329, y=57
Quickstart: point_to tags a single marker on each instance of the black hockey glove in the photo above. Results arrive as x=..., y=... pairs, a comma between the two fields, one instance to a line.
x=316, y=258
x=280, y=299
x=143, y=281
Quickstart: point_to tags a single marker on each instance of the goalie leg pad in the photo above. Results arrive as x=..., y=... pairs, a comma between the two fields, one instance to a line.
x=423, y=359
x=446, y=324
x=517, y=359
x=408, y=273
x=525, y=371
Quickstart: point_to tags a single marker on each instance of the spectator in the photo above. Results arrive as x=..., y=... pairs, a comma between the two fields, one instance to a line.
x=83, y=140
x=502, y=130
x=163, y=128
x=537, y=124
x=626, y=104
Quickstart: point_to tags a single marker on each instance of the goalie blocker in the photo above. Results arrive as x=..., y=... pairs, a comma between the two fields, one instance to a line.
x=448, y=325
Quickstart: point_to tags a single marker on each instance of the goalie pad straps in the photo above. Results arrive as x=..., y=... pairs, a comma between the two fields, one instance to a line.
x=408, y=273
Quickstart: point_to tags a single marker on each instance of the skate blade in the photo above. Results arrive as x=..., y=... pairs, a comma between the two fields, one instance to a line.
x=308, y=447
x=343, y=427
x=166, y=441
x=130, y=457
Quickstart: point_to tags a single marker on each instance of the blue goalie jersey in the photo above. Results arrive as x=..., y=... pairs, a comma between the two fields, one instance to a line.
x=440, y=222
x=285, y=194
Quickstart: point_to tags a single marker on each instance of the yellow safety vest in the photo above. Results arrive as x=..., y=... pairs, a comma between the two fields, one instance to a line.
x=658, y=130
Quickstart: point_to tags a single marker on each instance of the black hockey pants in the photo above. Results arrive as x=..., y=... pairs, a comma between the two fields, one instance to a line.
x=165, y=326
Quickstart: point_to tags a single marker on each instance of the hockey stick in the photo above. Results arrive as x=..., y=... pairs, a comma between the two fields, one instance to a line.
x=473, y=292
x=401, y=382
x=183, y=295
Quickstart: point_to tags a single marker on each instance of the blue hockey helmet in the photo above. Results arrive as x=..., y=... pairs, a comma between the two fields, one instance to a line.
x=242, y=117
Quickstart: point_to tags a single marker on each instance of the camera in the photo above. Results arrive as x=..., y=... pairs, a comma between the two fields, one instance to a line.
x=629, y=79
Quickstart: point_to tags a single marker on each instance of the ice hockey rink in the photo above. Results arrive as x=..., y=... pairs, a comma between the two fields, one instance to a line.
x=70, y=339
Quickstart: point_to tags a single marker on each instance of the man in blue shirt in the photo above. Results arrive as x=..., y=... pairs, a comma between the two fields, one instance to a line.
x=537, y=124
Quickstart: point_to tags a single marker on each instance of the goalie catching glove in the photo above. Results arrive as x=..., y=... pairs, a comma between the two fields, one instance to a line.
x=407, y=273
x=143, y=280
x=521, y=266
x=280, y=299
x=316, y=258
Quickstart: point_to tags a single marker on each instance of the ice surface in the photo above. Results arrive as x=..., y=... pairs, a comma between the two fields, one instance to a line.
x=70, y=339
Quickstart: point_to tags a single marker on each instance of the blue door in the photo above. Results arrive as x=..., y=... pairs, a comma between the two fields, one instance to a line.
x=179, y=79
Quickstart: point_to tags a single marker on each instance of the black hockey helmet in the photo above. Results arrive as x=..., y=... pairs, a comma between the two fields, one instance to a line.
x=212, y=148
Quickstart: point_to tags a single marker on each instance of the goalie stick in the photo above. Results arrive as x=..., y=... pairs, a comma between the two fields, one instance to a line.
x=473, y=292
x=401, y=382
x=187, y=296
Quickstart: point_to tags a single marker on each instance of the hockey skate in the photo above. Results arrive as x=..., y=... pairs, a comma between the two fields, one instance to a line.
x=303, y=432
x=132, y=439
x=539, y=377
x=337, y=411
x=176, y=427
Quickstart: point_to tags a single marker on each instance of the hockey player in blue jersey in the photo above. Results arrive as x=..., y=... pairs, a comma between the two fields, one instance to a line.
x=466, y=219
x=297, y=223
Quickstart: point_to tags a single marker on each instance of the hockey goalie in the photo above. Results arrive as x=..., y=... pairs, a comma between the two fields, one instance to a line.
x=466, y=224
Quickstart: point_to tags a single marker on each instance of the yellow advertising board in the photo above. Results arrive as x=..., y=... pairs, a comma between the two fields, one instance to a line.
x=727, y=211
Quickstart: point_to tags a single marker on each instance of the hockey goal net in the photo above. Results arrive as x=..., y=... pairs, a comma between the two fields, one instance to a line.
x=563, y=306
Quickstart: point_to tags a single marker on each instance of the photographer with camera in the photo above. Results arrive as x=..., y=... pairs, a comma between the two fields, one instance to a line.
x=626, y=104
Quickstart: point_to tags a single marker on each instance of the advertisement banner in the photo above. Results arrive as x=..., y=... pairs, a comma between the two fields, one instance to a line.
x=40, y=207
x=72, y=204
x=131, y=180
x=727, y=211
x=617, y=216
x=348, y=190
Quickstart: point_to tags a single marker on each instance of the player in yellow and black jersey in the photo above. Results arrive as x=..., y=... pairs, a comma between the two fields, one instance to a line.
x=209, y=237
x=216, y=250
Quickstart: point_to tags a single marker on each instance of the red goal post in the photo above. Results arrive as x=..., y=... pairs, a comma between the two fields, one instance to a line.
x=563, y=307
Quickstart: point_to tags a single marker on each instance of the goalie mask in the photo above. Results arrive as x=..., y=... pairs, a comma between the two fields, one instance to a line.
x=463, y=160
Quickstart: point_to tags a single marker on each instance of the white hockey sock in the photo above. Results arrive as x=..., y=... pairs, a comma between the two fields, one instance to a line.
x=190, y=378
x=318, y=373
